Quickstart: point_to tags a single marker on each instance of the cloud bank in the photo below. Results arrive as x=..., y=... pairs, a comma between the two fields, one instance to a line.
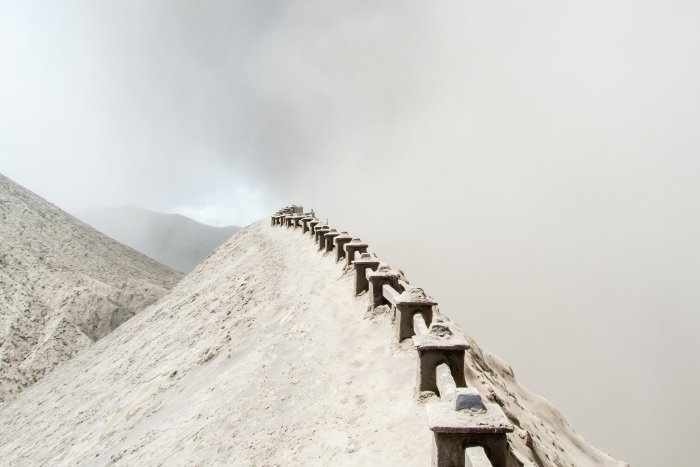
x=533, y=165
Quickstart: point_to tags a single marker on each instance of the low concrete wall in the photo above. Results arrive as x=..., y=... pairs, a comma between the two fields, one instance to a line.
x=466, y=429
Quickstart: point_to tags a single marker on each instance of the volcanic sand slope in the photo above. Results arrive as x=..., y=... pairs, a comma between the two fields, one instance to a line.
x=171, y=239
x=260, y=356
x=63, y=285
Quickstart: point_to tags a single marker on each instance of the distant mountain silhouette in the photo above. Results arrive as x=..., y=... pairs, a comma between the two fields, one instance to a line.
x=171, y=239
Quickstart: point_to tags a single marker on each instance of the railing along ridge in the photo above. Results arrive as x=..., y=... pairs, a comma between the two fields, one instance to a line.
x=467, y=429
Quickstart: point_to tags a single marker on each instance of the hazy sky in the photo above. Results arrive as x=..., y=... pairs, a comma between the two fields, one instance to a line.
x=534, y=165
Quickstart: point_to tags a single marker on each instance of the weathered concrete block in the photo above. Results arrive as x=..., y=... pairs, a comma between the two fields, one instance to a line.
x=377, y=279
x=340, y=241
x=390, y=294
x=469, y=399
x=436, y=347
x=445, y=382
x=453, y=431
x=355, y=245
x=367, y=261
x=419, y=325
x=404, y=285
x=330, y=237
x=411, y=301
x=475, y=456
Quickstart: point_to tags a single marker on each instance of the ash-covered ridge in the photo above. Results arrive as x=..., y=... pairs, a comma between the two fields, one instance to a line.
x=261, y=356
x=63, y=286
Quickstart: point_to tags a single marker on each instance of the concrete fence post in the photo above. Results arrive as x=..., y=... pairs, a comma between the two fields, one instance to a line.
x=366, y=261
x=323, y=237
x=305, y=223
x=438, y=346
x=293, y=221
x=320, y=232
x=351, y=247
x=312, y=226
x=330, y=239
x=340, y=241
x=410, y=302
x=454, y=431
x=377, y=278
x=314, y=230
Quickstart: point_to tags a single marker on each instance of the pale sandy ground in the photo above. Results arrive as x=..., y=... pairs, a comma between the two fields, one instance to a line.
x=63, y=285
x=261, y=356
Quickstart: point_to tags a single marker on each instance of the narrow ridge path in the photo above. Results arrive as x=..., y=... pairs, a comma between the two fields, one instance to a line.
x=260, y=356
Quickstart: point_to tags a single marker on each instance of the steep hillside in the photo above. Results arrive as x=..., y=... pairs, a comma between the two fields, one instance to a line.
x=260, y=356
x=63, y=286
x=171, y=239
